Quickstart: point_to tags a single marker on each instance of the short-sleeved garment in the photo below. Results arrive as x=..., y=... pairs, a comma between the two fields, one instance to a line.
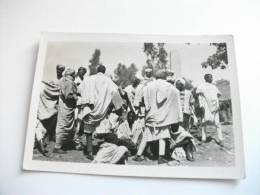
x=210, y=92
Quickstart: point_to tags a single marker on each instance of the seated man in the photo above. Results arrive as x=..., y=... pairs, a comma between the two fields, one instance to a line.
x=116, y=145
x=180, y=138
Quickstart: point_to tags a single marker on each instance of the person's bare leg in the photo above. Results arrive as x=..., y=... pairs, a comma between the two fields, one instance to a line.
x=141, y=147
x=219, y=130
x=162, y=145
x=140, y=151
x=203, y=134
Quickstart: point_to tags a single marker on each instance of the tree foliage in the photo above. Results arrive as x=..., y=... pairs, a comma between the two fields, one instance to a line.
x=218, y=59
x=125, y=75
x=94, y=62
x=156, y=55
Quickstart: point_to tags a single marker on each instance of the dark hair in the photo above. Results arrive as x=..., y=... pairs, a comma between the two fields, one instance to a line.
x=101, y=68
x=206, y=76
x=136, y=82
x=82, y=68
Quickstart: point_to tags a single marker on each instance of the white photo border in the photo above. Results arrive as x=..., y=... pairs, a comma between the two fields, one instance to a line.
x=233, y=172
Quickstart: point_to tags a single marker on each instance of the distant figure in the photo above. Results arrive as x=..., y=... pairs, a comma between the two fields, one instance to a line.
x=209, y=101
x=67, y=104
x=131, y=90
x=138, y=103
x=187, y=101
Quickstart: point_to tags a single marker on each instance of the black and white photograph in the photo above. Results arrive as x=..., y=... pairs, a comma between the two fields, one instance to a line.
x=135, y=105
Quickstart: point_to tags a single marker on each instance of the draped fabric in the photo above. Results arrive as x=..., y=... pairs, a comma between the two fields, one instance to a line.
x=162, y=104
x=209, y=101
x=49, y=97
x=48, y=109
x=110, y=153
x=67, y=104
x=97, y=90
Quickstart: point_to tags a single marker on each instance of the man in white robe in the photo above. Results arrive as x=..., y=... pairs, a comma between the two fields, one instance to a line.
x=97, y=93
x=209, y=100
x=162, y=110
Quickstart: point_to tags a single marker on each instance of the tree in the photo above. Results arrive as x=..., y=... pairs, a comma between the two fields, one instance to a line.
x=94, y=62
x=156, y=56
x=125, y=75
x=151, y=51
x=218, y=59
x=162, y=56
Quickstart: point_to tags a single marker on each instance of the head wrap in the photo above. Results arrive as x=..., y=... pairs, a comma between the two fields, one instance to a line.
x=60, y=67
x=160, y=74
x=148, y=69
x=69, y=72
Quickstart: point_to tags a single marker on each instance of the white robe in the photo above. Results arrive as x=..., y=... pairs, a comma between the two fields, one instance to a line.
x=209, y=101
x=97, y=90
x=162, y=104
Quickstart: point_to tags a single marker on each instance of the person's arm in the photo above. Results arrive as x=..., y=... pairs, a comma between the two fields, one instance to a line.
x=180, y=115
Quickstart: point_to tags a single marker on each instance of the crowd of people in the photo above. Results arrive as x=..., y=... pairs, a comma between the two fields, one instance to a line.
x=151, y=118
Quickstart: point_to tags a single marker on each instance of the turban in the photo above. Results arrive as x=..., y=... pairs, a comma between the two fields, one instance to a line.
x=60, y=67
x=82, y=68
x=69, y=72
x=160, y=74
x=148, y=69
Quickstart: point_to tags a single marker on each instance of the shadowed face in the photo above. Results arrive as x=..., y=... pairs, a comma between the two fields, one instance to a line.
x=59, y=73
x=81, y=73
x=149, y=74
x=209, y=78
x=179, y=85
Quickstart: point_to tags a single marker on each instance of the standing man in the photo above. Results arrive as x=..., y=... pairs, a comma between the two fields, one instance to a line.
x=78, y=111
x=209, y=100
x=148, y=77
x=187, y=101
x=67, y=104
x=163, y=109
x=131, y=90
x=48, y=109
x=97, y=93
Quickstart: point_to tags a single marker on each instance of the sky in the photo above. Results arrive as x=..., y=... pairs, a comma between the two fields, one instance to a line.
x=186, y=59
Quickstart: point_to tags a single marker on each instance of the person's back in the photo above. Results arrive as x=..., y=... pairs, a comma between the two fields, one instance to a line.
x=162, y=102
x=97, y=90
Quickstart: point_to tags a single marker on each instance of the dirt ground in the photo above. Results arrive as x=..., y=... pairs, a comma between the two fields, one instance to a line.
x=207, y=154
